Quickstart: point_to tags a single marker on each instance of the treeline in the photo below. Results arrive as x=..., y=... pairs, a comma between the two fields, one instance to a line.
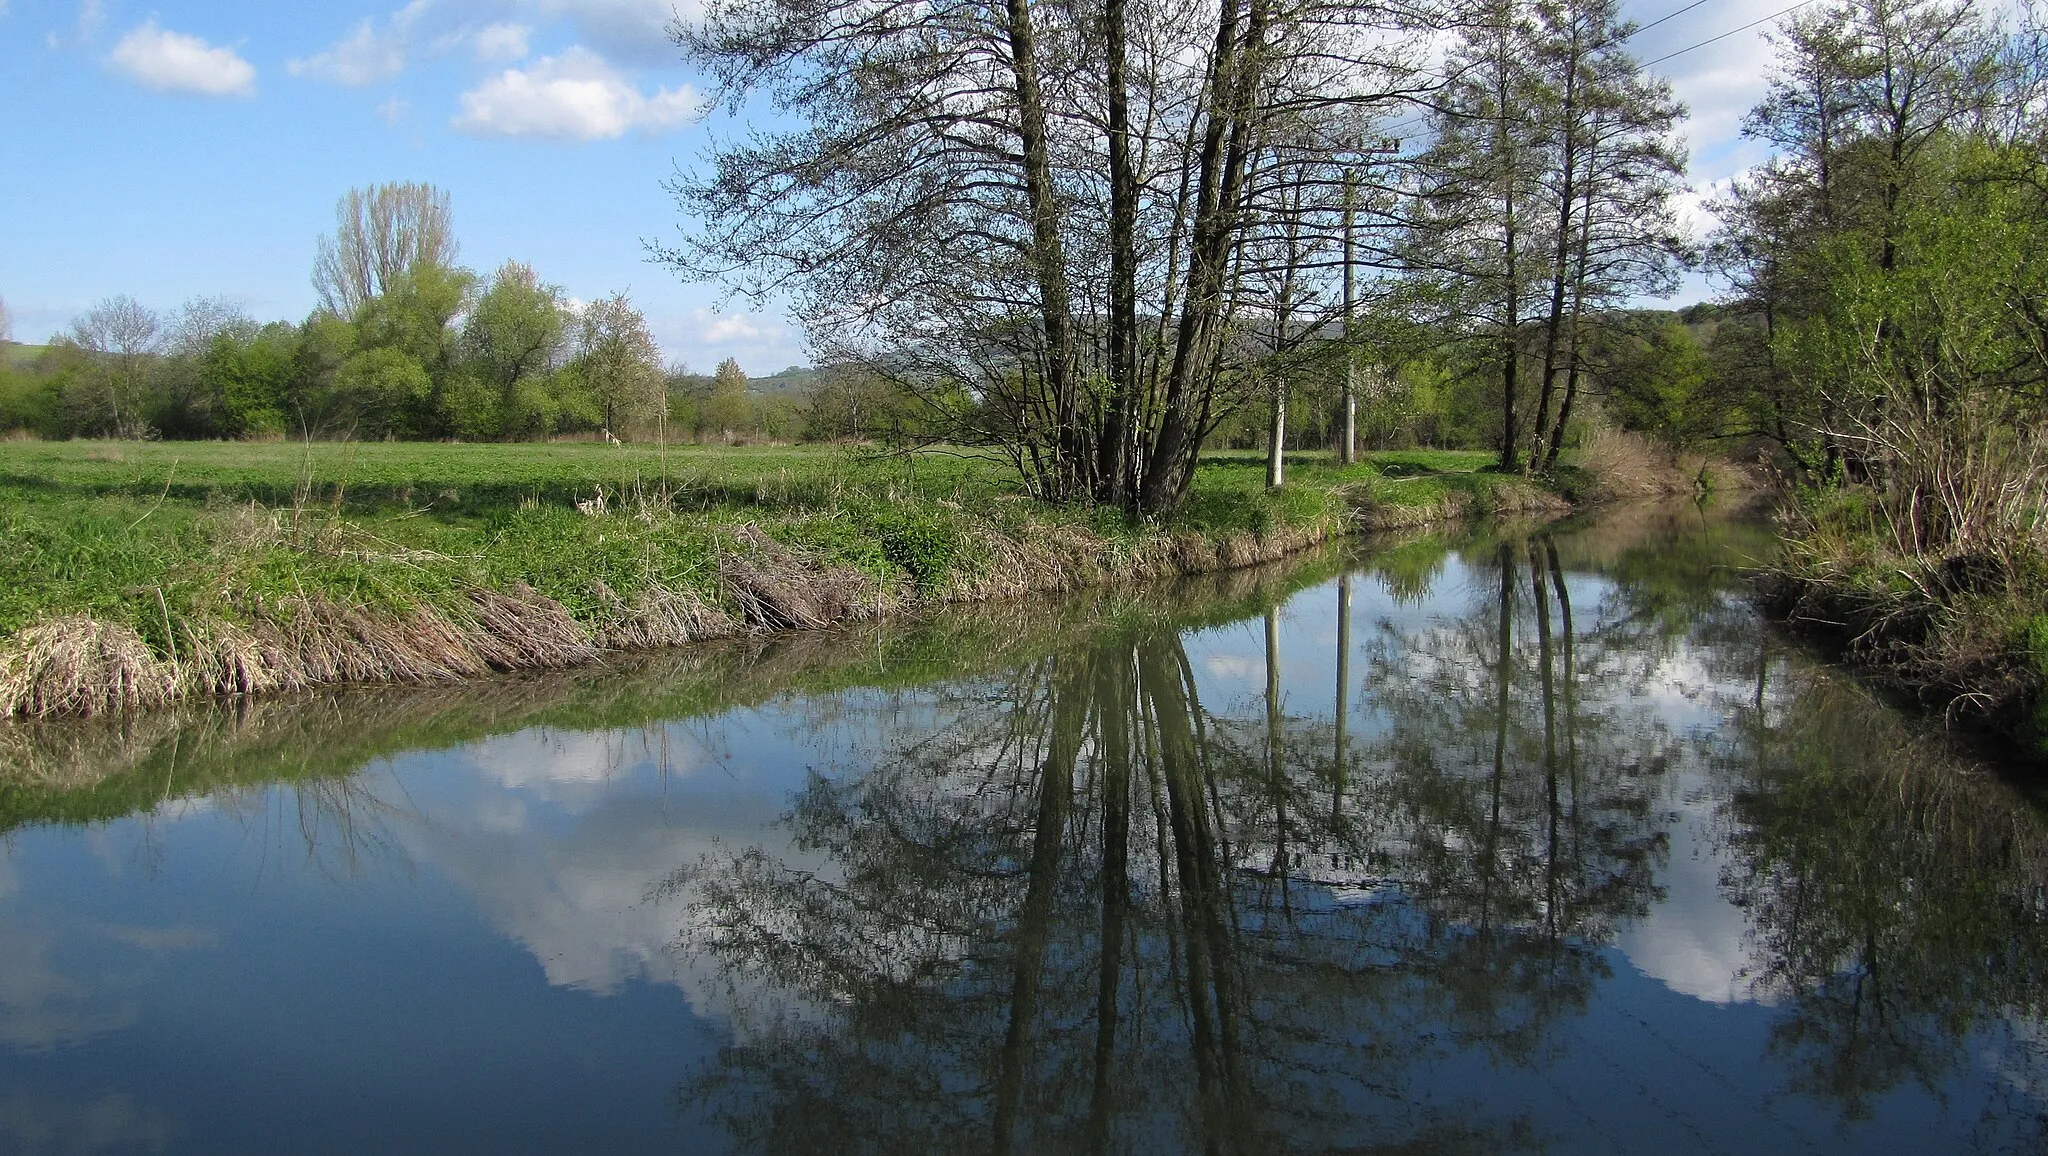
x=406, y=344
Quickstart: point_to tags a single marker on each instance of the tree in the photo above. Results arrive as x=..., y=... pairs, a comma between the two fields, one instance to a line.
x=515, y=334
x=1614, y=166
x=181, y=401
x=727, y=409
x=1546, y=200
x=414, y=319
x=381, y=234
x=1044, y=208
x=1476, y=237
x=6, y=324
x=122, y=338
x=1867, y=109
x=618, y=364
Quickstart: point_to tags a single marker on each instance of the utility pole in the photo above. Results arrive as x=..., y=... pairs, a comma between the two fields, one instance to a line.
x=1347, y=441
x=1347, y=447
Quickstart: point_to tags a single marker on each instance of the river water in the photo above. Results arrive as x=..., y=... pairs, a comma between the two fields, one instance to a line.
x=1522, y=841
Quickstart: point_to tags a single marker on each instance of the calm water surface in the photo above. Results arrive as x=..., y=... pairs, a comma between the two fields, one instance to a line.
x=1518, y=843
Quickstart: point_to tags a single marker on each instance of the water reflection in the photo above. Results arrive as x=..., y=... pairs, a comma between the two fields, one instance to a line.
x=1080, y=908
x=1531, y=841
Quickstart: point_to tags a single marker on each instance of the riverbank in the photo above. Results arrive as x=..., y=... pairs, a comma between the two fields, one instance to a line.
x=136, y=575
x=1963, y=631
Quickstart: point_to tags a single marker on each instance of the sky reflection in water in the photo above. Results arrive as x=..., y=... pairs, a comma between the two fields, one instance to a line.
x=1572, y=857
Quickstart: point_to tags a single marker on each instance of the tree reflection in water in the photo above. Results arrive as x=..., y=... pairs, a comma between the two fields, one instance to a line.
x=1077, y=910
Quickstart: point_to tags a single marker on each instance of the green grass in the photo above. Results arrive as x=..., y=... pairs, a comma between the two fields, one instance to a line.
x=151, y=535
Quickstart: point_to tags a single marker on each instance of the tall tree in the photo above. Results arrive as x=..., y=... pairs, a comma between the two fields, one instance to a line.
x=515, y=333
x=1612, y=168
x=1866, y=108
x=1478, y=228
x=123, y=338
x=381, y=234
x=618, y=363
x=1039, y=207
x=725, y=411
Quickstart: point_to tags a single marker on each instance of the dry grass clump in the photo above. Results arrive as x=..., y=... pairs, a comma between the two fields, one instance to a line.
x=657, y=617
x=78, y=665
x=1624, y=464
x=779, y=588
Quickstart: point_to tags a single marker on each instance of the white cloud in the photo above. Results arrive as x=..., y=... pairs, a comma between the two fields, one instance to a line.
x=502, y=43
x=1695, y=206
x=573, y=96
x=366, y=55
x=175, y=62
x=392, y=111
x=715, y=328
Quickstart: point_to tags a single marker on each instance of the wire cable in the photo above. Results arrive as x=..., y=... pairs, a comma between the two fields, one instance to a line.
x=1730, y=32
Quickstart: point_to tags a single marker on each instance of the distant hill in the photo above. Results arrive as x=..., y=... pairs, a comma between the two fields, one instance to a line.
x=17, y=356
x=796, y=380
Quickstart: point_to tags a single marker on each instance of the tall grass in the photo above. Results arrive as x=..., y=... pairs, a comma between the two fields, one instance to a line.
x=1933, y=562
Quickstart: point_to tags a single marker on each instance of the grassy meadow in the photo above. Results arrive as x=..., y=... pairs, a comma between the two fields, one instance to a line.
x=138, y=572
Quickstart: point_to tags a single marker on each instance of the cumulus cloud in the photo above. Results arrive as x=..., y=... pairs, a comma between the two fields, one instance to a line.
x=715, y=328
x=1718, y=81
x=174, y=62
x=573, y=96
x=502, y=43
x=392, y=111
x=368, y=54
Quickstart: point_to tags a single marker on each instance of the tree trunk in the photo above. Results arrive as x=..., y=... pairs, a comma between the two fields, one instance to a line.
x=1347, y=438
x=1560, y=264
x=1048, y=263
x=1226, y=146
x=1114, y=474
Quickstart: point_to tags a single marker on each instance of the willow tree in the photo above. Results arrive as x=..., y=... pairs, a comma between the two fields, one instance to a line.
x=1030, y=214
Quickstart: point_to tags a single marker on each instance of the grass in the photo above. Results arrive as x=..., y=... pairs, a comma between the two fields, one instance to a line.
x=91, y=770
x=136, y=573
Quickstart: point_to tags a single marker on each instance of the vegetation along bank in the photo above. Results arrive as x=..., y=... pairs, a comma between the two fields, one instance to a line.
x=134, y=574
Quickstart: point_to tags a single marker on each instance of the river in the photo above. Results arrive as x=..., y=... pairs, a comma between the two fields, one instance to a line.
x=1502, y=841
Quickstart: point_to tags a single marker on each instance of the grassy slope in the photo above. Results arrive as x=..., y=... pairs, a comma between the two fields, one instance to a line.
x=284, y=550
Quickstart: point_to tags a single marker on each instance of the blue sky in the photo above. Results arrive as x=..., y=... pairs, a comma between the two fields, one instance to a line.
x=170, y=150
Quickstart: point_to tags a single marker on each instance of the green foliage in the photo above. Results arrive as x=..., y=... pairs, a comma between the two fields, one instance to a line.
x=1655, y=379
x=922, y=544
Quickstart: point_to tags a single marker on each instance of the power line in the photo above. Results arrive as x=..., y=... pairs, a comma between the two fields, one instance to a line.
x=1639, y=29
x=1730, y=32
x=1663, y=18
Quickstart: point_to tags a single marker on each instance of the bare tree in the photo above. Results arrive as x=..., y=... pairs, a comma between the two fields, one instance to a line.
x=381, y=233
x=1033, y=215
x=123, y=338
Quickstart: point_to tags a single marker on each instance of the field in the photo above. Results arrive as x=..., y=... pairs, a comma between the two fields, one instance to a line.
x=137, y=572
